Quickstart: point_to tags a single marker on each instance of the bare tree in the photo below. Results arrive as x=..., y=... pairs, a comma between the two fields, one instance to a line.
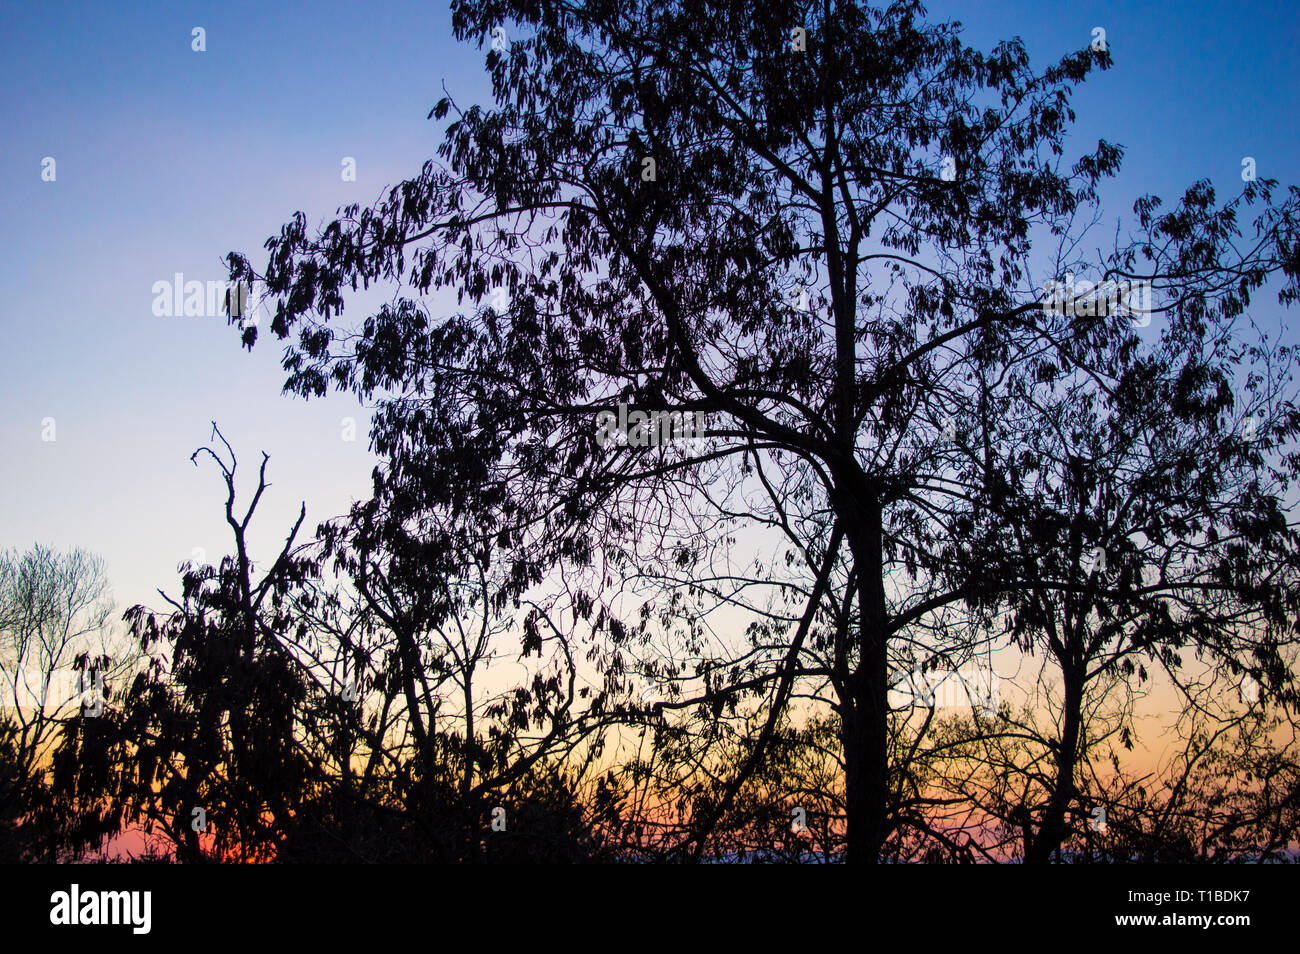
x=58, y=660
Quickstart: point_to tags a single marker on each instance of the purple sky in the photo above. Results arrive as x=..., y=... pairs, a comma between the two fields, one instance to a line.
x=168, y=158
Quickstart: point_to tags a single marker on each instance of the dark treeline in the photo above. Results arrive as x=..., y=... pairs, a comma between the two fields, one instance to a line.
x=937, y=436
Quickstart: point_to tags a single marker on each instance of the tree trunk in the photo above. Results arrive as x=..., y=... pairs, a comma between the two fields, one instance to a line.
x=864, y=713
x=1053, y=828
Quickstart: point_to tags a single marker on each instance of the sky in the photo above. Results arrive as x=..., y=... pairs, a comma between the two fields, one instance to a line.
x=167, y=158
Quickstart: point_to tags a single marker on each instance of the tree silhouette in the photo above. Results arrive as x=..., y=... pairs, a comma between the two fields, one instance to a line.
x=58, y=662
x=819, y=224
x=286, y=717
x=1146, y=511
x=203, y=746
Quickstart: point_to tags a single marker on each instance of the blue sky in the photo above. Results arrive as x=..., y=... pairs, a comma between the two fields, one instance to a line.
x=168, y=158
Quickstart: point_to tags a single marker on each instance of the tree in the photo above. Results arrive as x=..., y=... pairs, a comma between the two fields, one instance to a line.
x=204, y=748
x=824, y=239
x=57, y=664
x=441, y=609
x=287, y=716
x=1146, y=507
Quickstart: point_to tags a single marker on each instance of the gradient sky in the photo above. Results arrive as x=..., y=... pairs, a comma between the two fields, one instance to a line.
x=167, y=159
